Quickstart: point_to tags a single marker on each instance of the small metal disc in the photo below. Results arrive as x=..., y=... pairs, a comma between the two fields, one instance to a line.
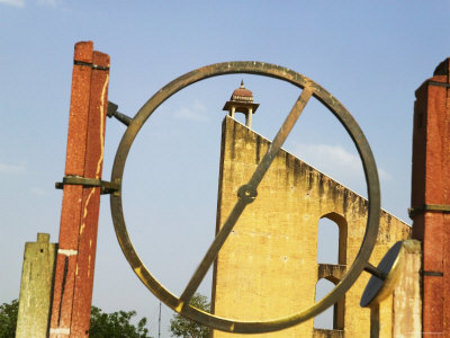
x=376, y=284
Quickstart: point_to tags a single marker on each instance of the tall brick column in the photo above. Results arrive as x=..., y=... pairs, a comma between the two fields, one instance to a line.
x=75, y=261
x=430, y=198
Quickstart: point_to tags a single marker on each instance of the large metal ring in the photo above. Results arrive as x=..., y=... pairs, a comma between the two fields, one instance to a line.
x=349, y=124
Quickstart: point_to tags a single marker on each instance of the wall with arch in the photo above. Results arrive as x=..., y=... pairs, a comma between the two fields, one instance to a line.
x=268, y=268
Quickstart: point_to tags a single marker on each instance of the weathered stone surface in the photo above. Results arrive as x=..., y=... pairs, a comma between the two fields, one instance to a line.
x=36, y=287
x=431, y=185
x=84, y=278
x=268, y=268
x=79, y=215
x=71, y=210
x=400, y=296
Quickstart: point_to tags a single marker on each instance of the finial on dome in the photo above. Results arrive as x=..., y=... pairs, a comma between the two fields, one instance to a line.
x=242, y=83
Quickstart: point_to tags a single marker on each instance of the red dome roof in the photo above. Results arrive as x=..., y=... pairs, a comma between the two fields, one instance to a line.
x=241, y=101
x=242, y=93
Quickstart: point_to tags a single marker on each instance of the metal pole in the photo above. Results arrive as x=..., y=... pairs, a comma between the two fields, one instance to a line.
x=159, y=321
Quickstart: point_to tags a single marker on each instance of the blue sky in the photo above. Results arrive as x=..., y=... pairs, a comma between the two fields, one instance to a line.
x=370, y=55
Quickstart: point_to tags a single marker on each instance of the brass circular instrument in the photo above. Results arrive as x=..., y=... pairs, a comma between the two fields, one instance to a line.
x=247, y=194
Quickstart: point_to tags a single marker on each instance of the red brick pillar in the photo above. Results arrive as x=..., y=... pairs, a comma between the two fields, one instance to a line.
x=430, y=199
x=75, y=261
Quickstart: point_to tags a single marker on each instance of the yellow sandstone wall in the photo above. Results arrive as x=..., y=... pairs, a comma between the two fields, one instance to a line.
x=268, y=268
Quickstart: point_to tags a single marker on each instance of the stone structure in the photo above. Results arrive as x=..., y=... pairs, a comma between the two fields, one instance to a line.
x=430, y=197
x=241, y=101
x=268, y=267
x=36, y=287
x=75, y=261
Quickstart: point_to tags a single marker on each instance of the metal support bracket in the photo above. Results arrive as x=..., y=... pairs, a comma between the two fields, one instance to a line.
x=105, y=186
x=432, y=273
x=90, y=64
x=112, y=111
x=373, y=270
x=439, y=84
x=442, y=208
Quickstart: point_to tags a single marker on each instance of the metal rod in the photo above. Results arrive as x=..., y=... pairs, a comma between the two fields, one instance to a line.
x=375, y=271
x=159, y=321
x=112, y=111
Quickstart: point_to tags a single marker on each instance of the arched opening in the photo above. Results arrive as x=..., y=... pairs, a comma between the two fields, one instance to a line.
x=327, y=242
x=325, y=320
x=332, y=239
x=333, y=317
x=331, y=259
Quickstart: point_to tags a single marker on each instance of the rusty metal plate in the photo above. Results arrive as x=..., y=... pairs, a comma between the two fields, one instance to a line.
x=247, y=193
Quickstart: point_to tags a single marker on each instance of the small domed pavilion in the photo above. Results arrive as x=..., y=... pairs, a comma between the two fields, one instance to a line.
x=242, y=102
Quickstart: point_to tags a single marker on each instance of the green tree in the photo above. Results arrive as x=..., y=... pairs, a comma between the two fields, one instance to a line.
x=103, y=325
x=116, y=325
x=8, y=319
x=186, y=328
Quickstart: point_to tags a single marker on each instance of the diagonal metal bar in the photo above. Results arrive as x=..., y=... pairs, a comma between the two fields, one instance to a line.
x=244, y=198
x=212, y=253
x=281, y=136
